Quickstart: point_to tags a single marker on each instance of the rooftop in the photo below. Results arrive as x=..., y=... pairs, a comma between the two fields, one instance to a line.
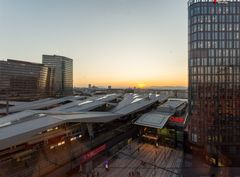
x=159, y=117
x=20, y=127
x=154, y=119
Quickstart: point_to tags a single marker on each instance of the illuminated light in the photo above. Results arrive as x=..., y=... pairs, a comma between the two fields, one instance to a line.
x=73, y=138
x=56, y=128
x=50, y=129
x=59, y=144
x=220, y=164
x=52, y=147
x=80, y=136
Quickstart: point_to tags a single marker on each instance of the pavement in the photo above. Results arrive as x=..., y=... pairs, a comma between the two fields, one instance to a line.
x=141, y=160
x=195, y=166
x=146, y=160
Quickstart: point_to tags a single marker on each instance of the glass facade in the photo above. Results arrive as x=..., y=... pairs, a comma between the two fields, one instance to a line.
x=214, y=77
x=62, y=73
x=19, y=78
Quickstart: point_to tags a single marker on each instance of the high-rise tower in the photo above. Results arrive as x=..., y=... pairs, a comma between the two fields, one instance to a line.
x=214, y=78
x=62, y=68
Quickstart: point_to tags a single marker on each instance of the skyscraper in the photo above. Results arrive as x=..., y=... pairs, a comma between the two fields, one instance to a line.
x=20, y=79
x=214, y=79
x=62, y=67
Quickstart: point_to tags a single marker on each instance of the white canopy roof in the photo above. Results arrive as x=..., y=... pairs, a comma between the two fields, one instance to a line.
x=19, y=127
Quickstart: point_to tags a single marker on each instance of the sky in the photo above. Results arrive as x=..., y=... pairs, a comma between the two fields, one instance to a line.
x=123, y=43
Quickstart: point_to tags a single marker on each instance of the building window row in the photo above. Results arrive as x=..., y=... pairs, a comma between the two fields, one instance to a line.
x=214, y=27
x=214, y=53
x=215, y=19
x=225, y=36
x=215, y=70
x=215, y=44
x=215, y=62
x=230, y=9
x=215, y=79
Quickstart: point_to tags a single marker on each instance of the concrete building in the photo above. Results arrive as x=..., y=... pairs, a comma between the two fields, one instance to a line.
x=62, y=83
x=23, y=79
x=214, y=79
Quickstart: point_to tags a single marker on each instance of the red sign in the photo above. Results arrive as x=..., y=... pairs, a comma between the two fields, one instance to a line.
x=220, y=1
x=177, y=119
x=89, y=155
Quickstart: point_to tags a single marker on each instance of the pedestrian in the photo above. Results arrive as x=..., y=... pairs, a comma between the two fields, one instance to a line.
x=106, y=165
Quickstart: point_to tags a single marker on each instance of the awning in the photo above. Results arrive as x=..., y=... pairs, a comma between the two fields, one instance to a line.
x=154, y=119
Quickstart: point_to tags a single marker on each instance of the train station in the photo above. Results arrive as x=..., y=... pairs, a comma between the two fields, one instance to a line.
x=55, y=137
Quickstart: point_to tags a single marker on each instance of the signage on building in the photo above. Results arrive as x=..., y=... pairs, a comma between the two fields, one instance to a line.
x=220, y=1
x=177, y=119
x=89, y=155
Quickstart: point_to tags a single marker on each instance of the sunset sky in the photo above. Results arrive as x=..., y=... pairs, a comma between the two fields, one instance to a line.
x=113, y=42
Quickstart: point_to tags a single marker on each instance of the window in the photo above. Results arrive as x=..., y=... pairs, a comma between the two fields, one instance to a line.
x=194, y=137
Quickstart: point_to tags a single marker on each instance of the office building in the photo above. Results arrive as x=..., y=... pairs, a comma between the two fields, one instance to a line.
x=62, y=73
x=214, y=79
x=23, y=79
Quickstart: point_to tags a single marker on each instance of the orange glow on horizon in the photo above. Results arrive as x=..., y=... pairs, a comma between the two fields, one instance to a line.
x=139, y=84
